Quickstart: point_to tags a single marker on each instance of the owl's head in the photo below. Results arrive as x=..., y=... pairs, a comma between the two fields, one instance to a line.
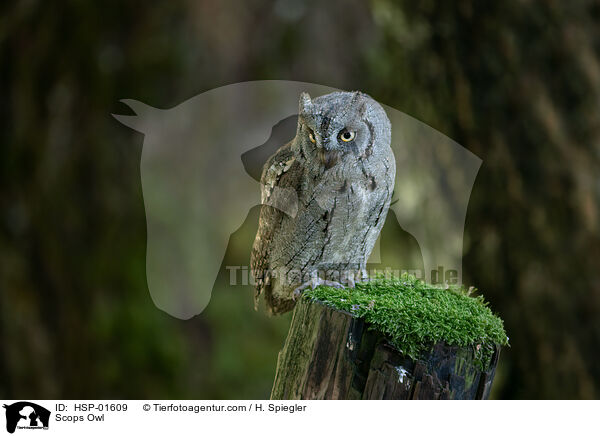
x=339, y=125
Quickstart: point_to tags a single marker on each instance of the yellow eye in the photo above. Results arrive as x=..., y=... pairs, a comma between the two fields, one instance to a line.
x=311, y=136
x=347, y=135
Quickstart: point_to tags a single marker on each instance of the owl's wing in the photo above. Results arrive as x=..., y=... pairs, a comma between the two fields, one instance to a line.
x=281, y=175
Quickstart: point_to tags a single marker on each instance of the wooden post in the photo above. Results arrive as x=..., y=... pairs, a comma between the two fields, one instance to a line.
x=329, y=354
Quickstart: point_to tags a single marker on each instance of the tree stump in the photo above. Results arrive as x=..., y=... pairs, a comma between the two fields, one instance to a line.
x=330, y=354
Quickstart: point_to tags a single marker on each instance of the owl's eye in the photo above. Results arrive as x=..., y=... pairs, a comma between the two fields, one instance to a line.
x=347, y=135
x=311, y=136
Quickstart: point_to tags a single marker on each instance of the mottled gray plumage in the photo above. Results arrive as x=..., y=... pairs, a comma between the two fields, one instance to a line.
x=342, y=169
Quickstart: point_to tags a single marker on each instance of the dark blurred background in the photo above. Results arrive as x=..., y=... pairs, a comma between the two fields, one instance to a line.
x=516, y=82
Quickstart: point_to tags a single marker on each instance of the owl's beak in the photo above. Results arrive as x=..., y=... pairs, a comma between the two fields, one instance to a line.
x=329, y=157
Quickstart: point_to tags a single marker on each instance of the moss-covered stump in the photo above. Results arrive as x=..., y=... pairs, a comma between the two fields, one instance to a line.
x=389, y=339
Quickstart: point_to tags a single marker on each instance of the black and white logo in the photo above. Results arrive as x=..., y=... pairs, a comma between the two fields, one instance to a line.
x=26, y=415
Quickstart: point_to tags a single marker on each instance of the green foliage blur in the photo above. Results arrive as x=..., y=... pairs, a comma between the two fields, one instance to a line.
x=517, y=83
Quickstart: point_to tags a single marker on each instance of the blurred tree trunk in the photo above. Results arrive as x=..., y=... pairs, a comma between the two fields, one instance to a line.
x=517, y=83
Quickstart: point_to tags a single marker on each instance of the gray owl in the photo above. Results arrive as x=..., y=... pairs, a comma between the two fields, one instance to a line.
x=342, y=169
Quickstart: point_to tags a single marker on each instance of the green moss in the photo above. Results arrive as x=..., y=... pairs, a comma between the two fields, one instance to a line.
x=415, y=315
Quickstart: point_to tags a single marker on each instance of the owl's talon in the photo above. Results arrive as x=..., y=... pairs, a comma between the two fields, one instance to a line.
x=351, y=282
x=313, y=283
x=332, y=284
x=298, y=291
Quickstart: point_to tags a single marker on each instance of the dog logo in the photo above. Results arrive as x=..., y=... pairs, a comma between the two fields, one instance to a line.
x=26, y=415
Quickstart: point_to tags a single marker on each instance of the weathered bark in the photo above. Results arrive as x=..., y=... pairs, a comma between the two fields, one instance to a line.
x=329, y=354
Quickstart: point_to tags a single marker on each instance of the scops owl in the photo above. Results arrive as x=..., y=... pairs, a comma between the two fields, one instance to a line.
x=342, y=170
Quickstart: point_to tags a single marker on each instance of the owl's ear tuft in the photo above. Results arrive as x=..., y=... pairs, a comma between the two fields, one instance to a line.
x=305, y=103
